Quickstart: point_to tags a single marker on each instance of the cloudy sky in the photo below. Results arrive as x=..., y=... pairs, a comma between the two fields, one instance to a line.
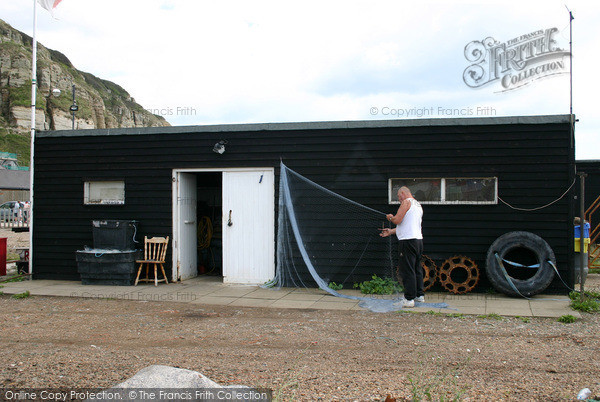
x=201, y=62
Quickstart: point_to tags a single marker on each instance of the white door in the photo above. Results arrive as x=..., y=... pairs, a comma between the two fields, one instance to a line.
x=248, y=226
x=187, y=239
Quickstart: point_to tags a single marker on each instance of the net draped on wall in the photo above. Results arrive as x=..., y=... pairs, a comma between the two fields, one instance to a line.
x=327, y=241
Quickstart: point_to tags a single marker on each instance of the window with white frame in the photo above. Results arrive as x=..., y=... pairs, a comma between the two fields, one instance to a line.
x=104, y=192
x=463, y=190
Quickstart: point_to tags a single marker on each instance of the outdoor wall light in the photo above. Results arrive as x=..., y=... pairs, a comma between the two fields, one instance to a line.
x=220, y=147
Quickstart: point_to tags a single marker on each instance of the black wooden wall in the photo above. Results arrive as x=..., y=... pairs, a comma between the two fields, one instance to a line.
x=533, y=158
x=592, y=184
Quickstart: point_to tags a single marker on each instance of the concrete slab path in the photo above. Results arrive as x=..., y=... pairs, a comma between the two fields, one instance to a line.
x=211, y=290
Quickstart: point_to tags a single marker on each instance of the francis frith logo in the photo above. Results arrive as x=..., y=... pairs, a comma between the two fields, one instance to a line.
x=516, y=62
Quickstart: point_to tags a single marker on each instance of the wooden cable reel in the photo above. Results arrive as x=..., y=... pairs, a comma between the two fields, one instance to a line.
x=429, y=272
x=456, y=264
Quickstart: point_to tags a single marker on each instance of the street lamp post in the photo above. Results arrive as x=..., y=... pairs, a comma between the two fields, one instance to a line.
x=74, y=108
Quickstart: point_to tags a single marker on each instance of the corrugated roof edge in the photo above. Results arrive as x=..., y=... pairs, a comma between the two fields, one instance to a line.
x=317, y=125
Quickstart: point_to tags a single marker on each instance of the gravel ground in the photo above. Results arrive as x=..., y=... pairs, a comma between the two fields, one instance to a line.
x=299, y=354
x=14, y=239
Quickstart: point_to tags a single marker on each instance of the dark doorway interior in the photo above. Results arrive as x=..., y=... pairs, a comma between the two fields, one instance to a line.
x=210, y=234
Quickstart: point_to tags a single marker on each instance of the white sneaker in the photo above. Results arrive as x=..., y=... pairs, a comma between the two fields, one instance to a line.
x=404, y=303
x=420, y=299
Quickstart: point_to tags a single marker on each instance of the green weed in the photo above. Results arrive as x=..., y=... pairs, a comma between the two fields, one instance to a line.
x=592, y=294
x=432, y=312
x=524, y=319
x=431, y=386
x=379, y=286
x=335, y=286
x=491, y=316
x=567, y=319
x=587, y=305
x=15, y=278
x=23, y=295
x=291, y=380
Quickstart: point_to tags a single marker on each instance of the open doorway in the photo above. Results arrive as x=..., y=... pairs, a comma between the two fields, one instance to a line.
x=210, y=219
x=197, y=225
x=224, y=224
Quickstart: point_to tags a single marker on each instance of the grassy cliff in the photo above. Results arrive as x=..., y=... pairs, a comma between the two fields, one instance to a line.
x=102, y=103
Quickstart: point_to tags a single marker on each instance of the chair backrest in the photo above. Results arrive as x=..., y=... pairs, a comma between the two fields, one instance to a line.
x=155, y=248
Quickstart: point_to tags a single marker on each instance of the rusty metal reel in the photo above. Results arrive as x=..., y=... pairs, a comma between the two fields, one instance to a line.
x=459, y=263
x=430, y=273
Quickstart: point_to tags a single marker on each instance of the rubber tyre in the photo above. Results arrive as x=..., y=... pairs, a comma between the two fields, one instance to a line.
x=528, y=287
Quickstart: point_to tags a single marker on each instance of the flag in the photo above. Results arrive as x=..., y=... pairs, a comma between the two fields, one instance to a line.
x=49, y=5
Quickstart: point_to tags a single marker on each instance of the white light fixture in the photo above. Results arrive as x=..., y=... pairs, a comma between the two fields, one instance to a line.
x=56, y=92
x=220, y=147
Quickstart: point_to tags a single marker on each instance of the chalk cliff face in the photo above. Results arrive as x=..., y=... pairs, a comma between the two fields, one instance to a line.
x=102, y=104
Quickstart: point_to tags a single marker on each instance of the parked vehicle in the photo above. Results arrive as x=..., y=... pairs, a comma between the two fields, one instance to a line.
x=11, y=211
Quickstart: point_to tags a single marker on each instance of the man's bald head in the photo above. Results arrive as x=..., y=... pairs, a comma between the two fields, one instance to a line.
x=404, y=193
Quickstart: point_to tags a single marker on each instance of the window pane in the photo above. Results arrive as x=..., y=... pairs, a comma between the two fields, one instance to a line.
x=422, y=189
x=104, y=192
x=471, y=190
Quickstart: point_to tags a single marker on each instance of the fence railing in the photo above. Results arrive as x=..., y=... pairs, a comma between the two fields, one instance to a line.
x=14, y=219
x=594, y=250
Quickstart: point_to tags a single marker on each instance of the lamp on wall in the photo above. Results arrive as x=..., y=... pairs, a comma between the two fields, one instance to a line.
x=220, y=147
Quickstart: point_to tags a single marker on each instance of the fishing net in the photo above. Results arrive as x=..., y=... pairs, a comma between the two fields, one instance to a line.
x=328, y=241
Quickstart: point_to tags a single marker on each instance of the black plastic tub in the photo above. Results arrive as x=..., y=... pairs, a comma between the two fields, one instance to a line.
x=107, y=267
x=114, y=234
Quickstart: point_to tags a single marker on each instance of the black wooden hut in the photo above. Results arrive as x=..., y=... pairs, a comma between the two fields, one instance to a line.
x=167, y=178
x=591, y=168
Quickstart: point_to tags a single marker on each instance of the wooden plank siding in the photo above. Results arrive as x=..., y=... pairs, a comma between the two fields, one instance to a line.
x=533, y=158
x=592, y=185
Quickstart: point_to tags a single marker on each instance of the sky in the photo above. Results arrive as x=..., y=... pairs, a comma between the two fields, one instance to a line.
x=206, y=62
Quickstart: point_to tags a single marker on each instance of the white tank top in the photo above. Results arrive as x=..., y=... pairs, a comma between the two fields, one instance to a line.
x=410, y=227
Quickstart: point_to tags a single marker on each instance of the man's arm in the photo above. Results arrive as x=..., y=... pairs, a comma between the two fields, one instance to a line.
x=387, y=232
x=402, y=210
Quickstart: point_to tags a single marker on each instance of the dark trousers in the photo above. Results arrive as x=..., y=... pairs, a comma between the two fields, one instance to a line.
x=409, y=254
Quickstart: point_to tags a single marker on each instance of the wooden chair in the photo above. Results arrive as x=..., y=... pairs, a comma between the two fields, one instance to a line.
x=155, y=250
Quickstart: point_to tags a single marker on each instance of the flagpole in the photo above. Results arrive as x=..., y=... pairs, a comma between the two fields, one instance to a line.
x=33, y=102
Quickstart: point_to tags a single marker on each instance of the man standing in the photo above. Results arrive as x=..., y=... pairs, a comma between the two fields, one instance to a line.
x=410, y=246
